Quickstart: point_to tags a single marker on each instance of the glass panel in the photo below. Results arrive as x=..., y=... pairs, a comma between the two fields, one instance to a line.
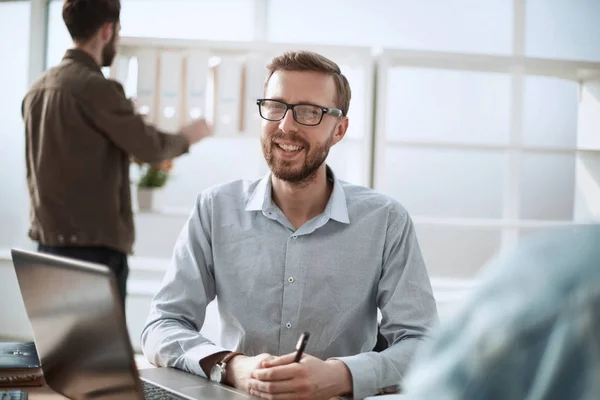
x=550, y=112
x=357, y=118
x=182, y=19
x=588, y=136
x=563, y=29
x=587, y=193
x=459, y=25
x=14, y=213
x=455, y=251
x=347, y=159
x=547, y=186
x=432, y=182
x=432, y=105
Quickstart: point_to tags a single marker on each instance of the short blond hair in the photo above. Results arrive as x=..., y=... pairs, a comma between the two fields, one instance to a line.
x=310, y=61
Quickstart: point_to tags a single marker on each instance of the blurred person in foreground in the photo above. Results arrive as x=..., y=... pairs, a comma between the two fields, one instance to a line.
x=531, y=330
x=81, y=132
x=298, y=250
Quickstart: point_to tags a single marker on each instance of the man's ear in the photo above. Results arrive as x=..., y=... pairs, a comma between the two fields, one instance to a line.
x=340, y=130
x=342, y=127
x=107, y=31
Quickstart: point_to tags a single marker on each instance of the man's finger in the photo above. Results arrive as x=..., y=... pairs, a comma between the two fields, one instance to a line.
x=277, y=373
x=282, y=360
x=279, y=396
x=273, y=387
x=263, y=361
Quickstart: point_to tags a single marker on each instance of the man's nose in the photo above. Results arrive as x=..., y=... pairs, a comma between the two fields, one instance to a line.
x=288, y=123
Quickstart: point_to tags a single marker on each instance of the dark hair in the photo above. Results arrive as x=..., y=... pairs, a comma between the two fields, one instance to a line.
x=83, y=18
x=311, y=61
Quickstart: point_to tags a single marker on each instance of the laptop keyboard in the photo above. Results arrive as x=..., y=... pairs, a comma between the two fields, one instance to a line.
x=153, y=392
x=13, y=395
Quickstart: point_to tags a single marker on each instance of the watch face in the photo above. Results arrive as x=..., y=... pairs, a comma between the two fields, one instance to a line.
x=216, y=374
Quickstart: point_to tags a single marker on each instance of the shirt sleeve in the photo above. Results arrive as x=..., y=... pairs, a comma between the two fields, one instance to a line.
x=171, y=336
x=114, y=115
x=408, y=309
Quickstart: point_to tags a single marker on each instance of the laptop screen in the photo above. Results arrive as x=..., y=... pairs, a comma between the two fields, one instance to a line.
x=78, y=326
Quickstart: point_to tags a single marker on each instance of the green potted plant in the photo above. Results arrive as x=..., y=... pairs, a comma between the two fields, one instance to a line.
x=153, y=179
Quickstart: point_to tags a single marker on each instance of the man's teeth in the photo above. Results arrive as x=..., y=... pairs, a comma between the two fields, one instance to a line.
x=287, y=147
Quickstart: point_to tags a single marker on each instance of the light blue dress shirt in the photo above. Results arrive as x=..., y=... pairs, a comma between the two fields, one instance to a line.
x=531, y=331
x=273, y=282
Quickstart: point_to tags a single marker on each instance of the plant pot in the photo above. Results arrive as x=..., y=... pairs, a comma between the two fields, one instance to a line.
x=149, y=199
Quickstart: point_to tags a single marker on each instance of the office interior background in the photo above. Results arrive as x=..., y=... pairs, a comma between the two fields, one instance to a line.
x=481, y=117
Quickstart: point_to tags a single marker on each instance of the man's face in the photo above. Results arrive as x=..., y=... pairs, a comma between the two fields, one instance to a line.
x=110, y=49
x=294, y=152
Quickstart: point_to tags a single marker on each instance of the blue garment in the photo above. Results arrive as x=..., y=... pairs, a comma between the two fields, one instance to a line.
x=530, y=331
x=273, y=282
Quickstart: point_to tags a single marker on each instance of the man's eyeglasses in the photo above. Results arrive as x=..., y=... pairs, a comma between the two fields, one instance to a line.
x=304, y=114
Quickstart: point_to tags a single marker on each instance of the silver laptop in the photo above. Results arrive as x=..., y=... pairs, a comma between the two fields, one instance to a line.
x=82, y=340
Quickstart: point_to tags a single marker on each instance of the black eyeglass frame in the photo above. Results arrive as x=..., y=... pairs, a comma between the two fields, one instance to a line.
x=325, y=110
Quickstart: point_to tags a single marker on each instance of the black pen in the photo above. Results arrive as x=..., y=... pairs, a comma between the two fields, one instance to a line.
x=301, y=345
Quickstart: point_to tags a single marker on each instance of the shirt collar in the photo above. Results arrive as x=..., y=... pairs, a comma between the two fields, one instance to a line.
x=336, y=208
x=82, y=57
x=260, y=198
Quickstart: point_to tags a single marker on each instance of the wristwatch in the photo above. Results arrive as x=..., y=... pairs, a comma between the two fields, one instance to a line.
x=219, y=370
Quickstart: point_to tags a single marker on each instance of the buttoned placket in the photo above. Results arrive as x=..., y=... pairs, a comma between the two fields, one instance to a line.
x=292, y=271
x=291, y=290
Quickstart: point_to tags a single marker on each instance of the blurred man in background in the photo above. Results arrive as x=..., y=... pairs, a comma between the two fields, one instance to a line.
x=530, y=331
x=81, y=132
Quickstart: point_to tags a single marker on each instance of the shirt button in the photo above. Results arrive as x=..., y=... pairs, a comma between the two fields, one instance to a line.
x=61, y=239
x=288, y=325
x=73, y=238
x=291, y=279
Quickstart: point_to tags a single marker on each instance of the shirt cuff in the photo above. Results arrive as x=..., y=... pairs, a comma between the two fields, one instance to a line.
x=193, y=357
x=363, y=374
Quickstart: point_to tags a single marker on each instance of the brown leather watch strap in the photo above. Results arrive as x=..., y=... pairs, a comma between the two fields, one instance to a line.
x=228, y=357
x=225, y=378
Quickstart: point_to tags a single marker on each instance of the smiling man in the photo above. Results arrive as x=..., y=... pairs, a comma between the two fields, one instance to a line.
x=299, y=250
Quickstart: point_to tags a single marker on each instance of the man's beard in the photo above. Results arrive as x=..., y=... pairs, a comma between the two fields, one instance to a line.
x=282, y=168
x=109, y=51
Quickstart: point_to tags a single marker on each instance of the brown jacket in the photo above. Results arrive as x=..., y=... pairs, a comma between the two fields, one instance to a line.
x=80, y=133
